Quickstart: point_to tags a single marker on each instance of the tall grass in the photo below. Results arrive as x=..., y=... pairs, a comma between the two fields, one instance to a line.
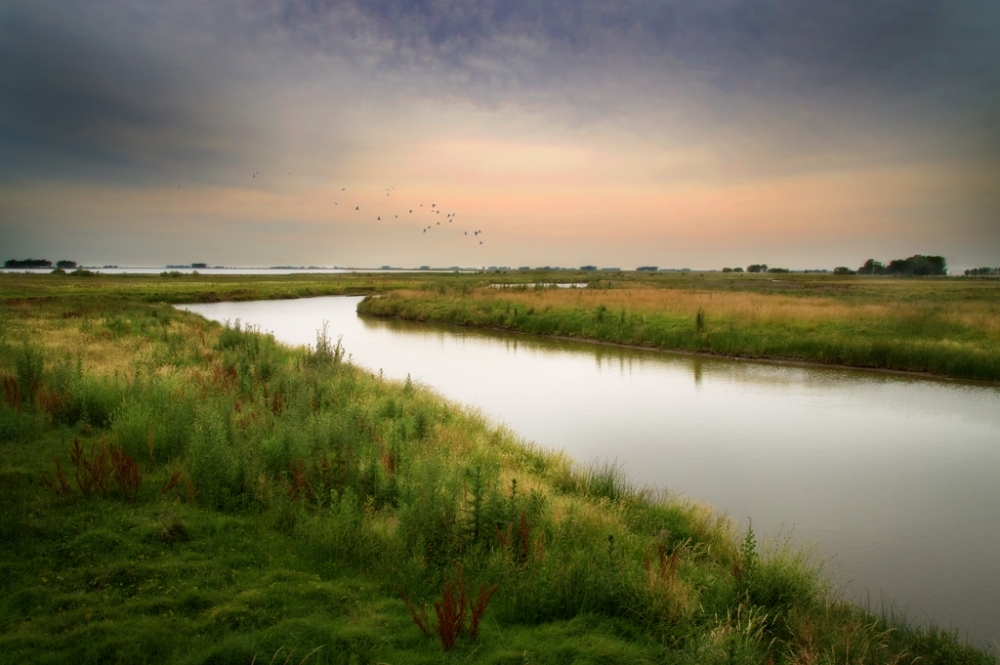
x=289, y=500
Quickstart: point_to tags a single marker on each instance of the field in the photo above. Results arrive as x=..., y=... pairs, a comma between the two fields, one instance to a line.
x=943, y=326
x=187, y=288
x=175, y=491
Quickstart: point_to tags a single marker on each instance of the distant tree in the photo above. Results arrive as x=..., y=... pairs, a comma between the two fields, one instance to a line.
x=927, y=265
x=918, y=264
x=647, y=268
x=843, y=270
x=872, y=267
x=199, y=265
x=27, y=263
x=982, y=272
x=757, y=267
x=64, y=264
x=737, y=269
x=897, y=267
x=727, y=270
x=778, y=270
x=588, y=267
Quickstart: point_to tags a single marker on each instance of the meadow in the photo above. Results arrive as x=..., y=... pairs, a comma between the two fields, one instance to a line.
x=177, y=491
x=942, y=326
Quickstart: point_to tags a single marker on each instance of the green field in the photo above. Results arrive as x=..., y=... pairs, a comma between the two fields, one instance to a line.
x=172, y=490
x=943, y=326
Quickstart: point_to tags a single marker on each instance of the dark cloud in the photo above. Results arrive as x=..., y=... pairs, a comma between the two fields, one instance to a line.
x=86, y=94
x=913, y=68
x=901, y=43
x=157, y=86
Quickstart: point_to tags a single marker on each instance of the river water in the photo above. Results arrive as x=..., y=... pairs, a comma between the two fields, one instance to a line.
x=893, y=480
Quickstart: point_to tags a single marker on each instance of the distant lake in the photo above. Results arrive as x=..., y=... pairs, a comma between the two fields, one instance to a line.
x=895, y=480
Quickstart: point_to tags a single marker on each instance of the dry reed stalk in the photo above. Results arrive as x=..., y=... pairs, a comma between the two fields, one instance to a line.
x=419, y=616
x=59, y=485
x=92, y=473
x=450, y=612
x=11, y=393
x=171, y=483
x=388, y=459
x=300, y=484
x=478, y=608
x=126, y=473
x=48, y=401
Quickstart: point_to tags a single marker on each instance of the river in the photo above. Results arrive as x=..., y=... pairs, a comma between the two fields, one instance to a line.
x=893, y=480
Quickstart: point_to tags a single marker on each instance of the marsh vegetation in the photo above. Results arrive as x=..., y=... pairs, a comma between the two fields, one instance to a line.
x=948, y=327
x=174, y=490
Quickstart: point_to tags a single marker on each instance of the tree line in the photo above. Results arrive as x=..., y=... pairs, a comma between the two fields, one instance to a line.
x=756, y=267
x=918, y=264
x=37, y=263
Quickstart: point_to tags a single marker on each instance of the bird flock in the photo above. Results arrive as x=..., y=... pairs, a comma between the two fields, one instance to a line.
x=367, y=207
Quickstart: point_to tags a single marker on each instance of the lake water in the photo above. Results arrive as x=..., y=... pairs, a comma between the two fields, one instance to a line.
x=894, y=480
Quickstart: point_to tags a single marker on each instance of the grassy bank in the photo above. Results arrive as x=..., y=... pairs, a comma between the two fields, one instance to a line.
x=189, y=288
x=176, y=491
x=947, y=327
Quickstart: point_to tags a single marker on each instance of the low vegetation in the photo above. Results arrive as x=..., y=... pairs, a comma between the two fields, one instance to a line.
x=944, y=326
x=172, y=490
x=177, y=287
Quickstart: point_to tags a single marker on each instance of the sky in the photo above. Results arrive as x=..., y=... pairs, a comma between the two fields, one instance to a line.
x=678, y=133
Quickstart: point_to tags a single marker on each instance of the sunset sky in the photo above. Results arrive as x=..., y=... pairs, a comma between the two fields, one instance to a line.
x=677, y=133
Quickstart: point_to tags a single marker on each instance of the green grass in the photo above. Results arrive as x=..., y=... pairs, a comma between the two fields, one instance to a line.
x=108, y=289
x=311, y=497
x=946, y=326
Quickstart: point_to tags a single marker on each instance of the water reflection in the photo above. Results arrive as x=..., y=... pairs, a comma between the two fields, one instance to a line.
x=892, y=477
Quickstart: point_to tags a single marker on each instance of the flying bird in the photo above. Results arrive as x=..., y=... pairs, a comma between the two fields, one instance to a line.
x=357, y=208
x=411, y=211
x=379, y=218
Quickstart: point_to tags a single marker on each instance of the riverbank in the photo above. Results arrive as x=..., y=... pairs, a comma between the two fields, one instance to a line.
x=178, y=491
x=191, y=288
x=944, y=328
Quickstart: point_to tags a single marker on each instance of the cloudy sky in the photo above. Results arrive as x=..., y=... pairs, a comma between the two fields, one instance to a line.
x=680, y=133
